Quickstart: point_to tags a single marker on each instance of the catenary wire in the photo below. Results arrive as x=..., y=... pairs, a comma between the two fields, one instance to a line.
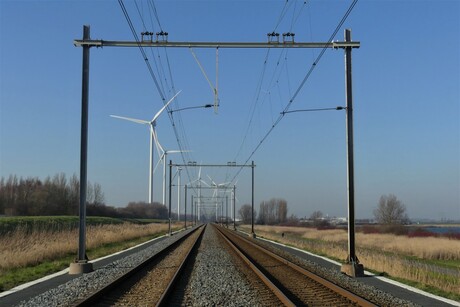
x=307, y=76
x=146, y=60
x=141, y=49
x=262, y=77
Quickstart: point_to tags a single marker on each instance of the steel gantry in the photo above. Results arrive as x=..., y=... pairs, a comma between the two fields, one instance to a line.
x=352, y=267
x=229, y=164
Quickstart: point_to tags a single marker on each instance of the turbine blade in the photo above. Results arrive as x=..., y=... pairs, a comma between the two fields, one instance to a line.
x=191, y=182
x=204, y=182
x=160, y=149
x=158, y=163
x=138, y=121
x=212, y=181
x=164, y=107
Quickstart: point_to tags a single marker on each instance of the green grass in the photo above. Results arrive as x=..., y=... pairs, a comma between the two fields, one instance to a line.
x=451, y=264
x=14, y=277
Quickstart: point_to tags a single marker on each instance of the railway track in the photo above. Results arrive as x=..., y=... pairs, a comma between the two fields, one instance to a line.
x=212, y=265
x=292, y=284
x=150, y=283
x=214, y=275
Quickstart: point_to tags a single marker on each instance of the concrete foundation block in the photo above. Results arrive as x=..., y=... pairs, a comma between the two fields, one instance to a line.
x=353, y=269
x=80, y=267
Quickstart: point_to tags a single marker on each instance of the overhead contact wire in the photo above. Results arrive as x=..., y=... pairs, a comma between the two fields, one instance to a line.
x=313, y=66
x=149, y=67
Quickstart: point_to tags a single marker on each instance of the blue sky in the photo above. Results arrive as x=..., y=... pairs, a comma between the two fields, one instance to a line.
x=406, y=84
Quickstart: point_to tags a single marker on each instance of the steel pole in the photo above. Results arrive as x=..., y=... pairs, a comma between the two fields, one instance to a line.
x=170, y=195
x=193, y=215
x=252, y=202
x=234, y=205
x=352, y=267
x=350, y=157
x=178, y=195
x=84, y=149
x=81, y=264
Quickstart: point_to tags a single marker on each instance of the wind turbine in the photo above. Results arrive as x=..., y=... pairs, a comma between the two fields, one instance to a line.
x=218, y=185
x=153, y=139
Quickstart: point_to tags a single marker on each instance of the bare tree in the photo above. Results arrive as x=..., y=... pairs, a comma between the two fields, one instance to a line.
x=73, y=198
x=390, y=211
x=317, y=218
x=98, y=194
x=273, y=211
x=245, y=213
x=53, y=196
x=263, y=213
x=282, y=210
x=89, y=193
x=316, y=215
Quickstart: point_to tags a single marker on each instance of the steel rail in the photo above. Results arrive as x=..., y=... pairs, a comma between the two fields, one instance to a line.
x=165, y=296
x=93, y=298
x=281, y=296
x=337, y=289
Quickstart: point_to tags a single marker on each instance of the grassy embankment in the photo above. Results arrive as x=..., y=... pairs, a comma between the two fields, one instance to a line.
x=33, y=247
x=429, y=263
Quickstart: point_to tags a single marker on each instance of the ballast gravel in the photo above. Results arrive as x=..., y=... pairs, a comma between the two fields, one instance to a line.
x=216, y=279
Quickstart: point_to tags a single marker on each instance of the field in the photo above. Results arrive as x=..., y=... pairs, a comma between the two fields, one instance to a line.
x=429, y=263
x=33, y=247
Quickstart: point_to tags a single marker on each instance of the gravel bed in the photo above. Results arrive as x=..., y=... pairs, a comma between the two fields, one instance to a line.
x=80, y=287
x=216, y=279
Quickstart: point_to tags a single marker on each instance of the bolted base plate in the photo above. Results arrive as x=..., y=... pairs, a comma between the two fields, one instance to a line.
x=353, y=269
x=80, y=267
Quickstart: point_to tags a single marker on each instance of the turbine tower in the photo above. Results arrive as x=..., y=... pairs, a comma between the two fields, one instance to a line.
x=153, y=139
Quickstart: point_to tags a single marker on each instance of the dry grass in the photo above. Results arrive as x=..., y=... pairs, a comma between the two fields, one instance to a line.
x=430, y=248
x=398, y=256
x=22, y=248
